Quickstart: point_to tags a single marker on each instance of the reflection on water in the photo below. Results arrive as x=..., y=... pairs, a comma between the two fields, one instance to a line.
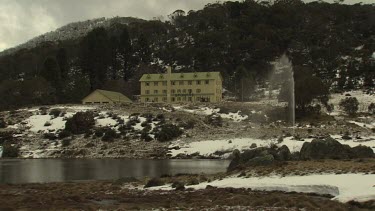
x=59, y=170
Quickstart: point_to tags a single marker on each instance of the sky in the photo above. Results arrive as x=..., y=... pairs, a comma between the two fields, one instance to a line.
x=21, y=20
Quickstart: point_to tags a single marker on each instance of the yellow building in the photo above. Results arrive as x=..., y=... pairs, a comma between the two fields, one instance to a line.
x=181, y=87
x=105, y=97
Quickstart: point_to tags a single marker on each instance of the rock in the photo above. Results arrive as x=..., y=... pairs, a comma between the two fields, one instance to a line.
x=346, y=137
x=283, y=153
x=362, y=152
x=332, y=149
x=154, y=182
x=253, y=145
x=178, y=186
x=261, y=161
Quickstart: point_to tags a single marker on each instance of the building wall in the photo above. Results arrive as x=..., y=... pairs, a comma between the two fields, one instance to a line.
x=96, y=98
x=182, y=91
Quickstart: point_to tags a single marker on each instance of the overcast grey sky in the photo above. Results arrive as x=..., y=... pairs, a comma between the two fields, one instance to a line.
x=21, y=20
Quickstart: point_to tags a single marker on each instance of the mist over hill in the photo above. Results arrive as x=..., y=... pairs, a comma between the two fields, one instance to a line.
x=333, y=42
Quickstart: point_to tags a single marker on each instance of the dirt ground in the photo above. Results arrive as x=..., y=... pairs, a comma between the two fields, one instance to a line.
x=113, y=196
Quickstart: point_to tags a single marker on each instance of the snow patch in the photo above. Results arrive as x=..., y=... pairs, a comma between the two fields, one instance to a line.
x=344, y=187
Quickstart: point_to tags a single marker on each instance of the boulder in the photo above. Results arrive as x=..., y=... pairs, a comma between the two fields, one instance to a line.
x=362, y=152
x=261, y=161
x=283, y=153
x=329, y=148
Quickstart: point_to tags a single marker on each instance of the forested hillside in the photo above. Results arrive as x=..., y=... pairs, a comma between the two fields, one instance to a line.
x=240, y=39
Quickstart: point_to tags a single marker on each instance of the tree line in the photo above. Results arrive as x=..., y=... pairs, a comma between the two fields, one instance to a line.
x=333, y=42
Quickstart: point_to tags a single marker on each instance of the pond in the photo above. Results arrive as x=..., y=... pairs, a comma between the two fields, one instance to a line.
x=17, y=171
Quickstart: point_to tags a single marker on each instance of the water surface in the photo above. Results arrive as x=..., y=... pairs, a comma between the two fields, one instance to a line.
x=17, y=171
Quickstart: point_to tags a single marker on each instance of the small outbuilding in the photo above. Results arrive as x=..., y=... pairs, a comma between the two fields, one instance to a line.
x=105, y=97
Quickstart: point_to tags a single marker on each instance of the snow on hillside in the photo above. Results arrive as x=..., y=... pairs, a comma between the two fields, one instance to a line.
x=344, y=187
x=364, y=99
x=224, y=148
x=39, y=123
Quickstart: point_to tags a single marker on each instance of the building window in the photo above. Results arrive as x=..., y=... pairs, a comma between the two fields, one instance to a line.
x=164, y=91
x=155, y=99
x=190, y=99
x=190, y=91
x=147, y=83
x=198, y=82
x=179, y=91
x=156, y=83
x=207, y=82
x=198, y=91
x=181, y=82
x=155, y=91
x=173, y=82
x=147, y=92
x=164, y=99
x=164, y=83
x=184, y=91
x=173, y=99
x=190, y=82
x=178, y=99
x=173, y=91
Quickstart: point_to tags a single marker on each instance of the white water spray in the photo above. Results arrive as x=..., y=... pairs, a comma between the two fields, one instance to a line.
x=283, y=74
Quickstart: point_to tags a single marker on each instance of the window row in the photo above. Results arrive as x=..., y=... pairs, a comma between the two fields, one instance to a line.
x=173, y=91
x=164, y=83
x=178, y=99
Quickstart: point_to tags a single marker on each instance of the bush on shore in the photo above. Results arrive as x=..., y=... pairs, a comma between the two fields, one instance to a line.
x=80, y=123
x=10, y=151
x=167, y=132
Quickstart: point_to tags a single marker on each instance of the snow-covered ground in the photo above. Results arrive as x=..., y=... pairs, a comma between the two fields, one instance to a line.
x=236, y=117
x=47, y=123
x=361, y=124
x=344, y=187
x=226, y=146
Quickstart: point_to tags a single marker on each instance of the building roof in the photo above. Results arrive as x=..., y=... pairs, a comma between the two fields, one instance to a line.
x=113, y=96
x=182, y=76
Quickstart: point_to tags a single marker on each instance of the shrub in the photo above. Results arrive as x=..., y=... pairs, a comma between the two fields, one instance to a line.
x=6, y=136
x=160, y=117
x=188, y=124
x=167, y=132
x=65, y=142
x=55, y=112
x=145, y=136
x=2, y=123
x=80, y=123
x=371, y=108
x=49, y=136
x=109, y=135
x=214, y=120
x=10, y=151
x=349, y=105
x=154, y=182
x=64, y=133
x=330, y=108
